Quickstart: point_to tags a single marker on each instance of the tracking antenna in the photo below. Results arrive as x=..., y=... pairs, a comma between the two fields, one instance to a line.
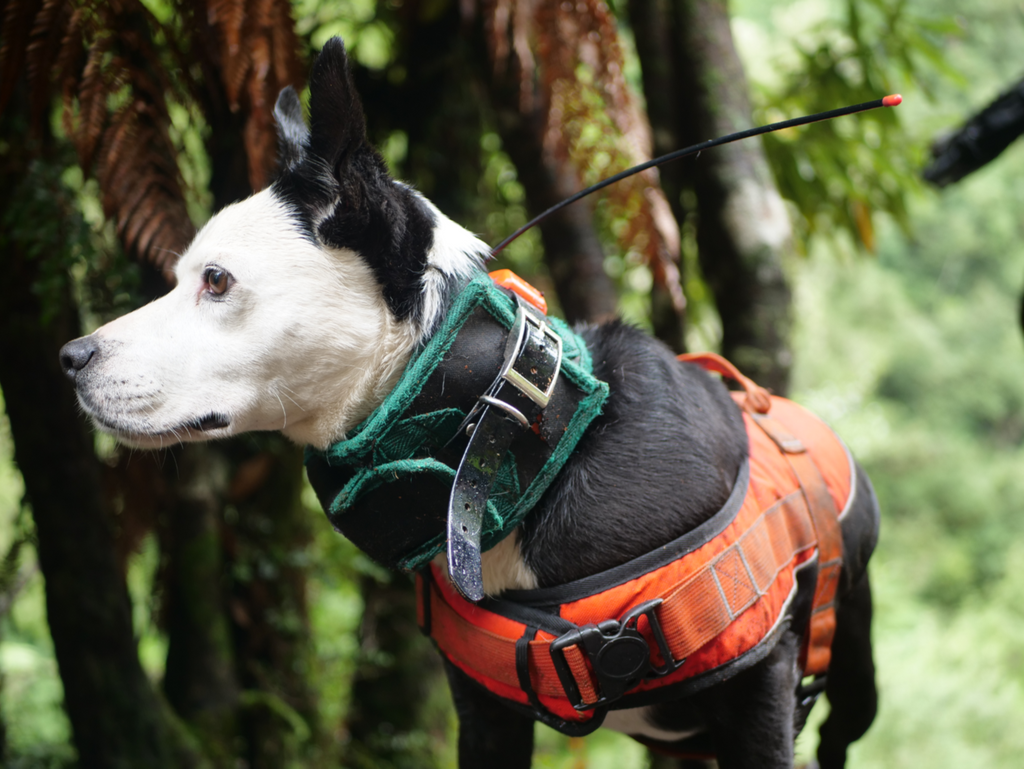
x=888, y=101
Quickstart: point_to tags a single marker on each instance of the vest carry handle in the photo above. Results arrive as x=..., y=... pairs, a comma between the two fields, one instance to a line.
x=757, y=400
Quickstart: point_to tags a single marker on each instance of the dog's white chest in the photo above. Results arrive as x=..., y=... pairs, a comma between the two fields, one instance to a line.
x=636, y=722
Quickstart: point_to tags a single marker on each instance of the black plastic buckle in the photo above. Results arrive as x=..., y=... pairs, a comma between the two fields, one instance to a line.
x=807, y=694
x=619, y=655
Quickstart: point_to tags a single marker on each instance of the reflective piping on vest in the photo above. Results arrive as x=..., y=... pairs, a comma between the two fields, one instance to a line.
x=721, y=592
x=853, y=480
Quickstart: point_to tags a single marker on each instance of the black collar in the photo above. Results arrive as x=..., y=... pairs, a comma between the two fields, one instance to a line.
x=388, y=486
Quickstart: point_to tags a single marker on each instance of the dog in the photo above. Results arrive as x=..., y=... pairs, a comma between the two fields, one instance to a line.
x=298, y=310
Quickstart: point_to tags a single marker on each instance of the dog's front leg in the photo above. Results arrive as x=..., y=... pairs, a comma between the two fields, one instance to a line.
x=491, y=735
x=750, y=716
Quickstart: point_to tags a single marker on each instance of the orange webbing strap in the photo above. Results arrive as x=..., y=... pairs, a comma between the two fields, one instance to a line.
x=757, y=400
x=823, y=510
x=829, y=535
x=581, y=674
x=702, y=608
x=693, y=612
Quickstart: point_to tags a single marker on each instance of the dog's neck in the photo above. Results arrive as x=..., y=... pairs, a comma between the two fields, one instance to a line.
x=391, y=465
x=363, y=380
x=359, y=387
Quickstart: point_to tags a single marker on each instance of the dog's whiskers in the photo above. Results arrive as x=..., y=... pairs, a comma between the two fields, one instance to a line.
x=285, y=391
x=283, y=411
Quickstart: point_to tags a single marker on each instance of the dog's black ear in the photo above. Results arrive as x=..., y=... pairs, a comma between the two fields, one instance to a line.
x=336, y=114
x=292, y=132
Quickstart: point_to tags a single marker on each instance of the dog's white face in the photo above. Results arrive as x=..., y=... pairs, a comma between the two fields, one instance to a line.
x=265, y=330
x=295, y=310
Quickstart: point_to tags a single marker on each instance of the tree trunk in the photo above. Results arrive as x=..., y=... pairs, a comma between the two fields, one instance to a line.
x=697, y=90
x=238, y=660
x=267, y=537
x=649, y=20
x=440, y=114
x=116, y=716
x=572, y=249
x=398, y=669
x=199, y=680
x=743, y=230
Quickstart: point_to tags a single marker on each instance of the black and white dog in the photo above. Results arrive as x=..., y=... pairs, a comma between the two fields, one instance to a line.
x=298, y=309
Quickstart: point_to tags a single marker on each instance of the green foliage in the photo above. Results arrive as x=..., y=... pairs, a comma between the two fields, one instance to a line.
x=38, y=733
x=255, y=698
x=601, y=750
x=43, y=222
x=916, y=359
x=363, y=24
x=12, y=488
x=335, y=608
x=105, y=282
x=188, y=132
x=839, y=173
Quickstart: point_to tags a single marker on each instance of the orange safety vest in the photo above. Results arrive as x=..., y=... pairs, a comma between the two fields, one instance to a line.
x=623, y=635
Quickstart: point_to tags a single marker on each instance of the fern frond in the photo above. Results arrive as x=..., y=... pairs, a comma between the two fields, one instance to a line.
x=70, y=60
x=96, y=85
x=258, y=56
x=570, y=67
x=44, y=47
x=18, y=17
x=115, y=82
x=100, y=56
x=141, y=190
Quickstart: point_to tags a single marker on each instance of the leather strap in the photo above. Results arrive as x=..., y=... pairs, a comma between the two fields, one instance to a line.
x=518, y=396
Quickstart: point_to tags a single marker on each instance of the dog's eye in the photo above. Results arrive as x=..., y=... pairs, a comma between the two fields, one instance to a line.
x=217, y=280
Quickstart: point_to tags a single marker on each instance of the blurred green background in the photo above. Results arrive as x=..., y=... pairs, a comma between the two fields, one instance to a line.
x=912, y=351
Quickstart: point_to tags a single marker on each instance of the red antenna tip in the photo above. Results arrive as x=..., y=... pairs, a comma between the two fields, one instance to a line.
x=892, y=100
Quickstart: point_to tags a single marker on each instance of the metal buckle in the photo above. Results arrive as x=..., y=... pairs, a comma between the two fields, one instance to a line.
x=532, y=343
x=619, y=655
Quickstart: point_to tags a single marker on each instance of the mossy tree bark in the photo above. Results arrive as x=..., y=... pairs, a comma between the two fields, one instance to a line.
x=572, y=248
x=697, y=90
x=266, y=538
x=200, y=680
x=117, y=718
x=389, y=720
x=439, y=113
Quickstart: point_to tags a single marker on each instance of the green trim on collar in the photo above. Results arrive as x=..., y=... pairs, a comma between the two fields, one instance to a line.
x=391, y=443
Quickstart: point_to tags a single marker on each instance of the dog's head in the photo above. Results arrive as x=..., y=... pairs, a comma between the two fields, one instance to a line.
x=294, y=310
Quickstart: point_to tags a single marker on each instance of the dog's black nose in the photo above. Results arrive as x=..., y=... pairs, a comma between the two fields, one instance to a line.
x=76, y=354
